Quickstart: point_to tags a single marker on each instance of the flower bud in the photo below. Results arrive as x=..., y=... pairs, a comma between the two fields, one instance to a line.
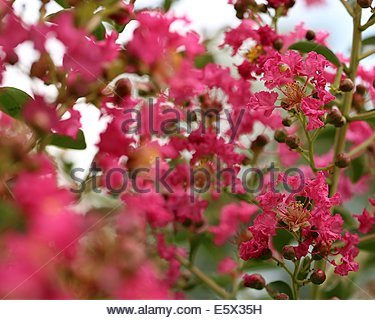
x=12, y=58
x=281, y=296
x=40, y=68
x=254, y=281
x=278, y=44
x=259, y=143
x=287, y=122
x=320, y=251
x=318, y=277
x=361, y=89
x=280, y=135
x=266, y=254
x=123, y=88
x=364, y=3
x=290, y=4
x=289, y=253
x=342, y=160
x=262, y=8
x=292, y=142
x=240, y=7
x=346, y=85
x=335, y=117
x=358, y=102
x=310, y=35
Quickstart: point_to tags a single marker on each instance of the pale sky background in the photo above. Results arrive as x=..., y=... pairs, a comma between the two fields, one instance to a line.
x=207, y=17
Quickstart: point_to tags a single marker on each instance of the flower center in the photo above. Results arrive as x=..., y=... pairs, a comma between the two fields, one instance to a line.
x=293, y=95
x=254, y=53
x=295, y=216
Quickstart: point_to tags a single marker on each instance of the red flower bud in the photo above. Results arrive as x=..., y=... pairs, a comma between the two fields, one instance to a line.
x=289, y=253
x=278, y=44
x=292, y=142
x=310, y=35
x=259, y=143
x=254, y=281
x=342, y=160
x=346, y=85
x=361, y=89
x=318, y=277
x=280, y=135
x=364, y=3
x=281, y=296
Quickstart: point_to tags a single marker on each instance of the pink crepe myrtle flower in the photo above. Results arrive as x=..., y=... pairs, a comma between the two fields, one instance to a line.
x=358, y=132
x=47, y=209
x=83, y=54
x=264, y=101
x=282, y=71
x=311, y=217
x=366, y=219
x=22, y=256
x=348, y=252
x=12, y=25
x=153, y=40
x=232, y=215
x=227, y=266
x=299, y=34
x=44, y=117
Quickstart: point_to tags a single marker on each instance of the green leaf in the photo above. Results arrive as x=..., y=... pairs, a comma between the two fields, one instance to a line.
x=62, y=3
x=195, y=242
x=308, y=46
x=67, y=142
x=12, y=100
x=280, y=287
x=202, y=60
x=167, y=4
x=99, y=32
x=370, y=41
x=10, y=217
x=282, y=238
x=367, y=243
x=357, y=168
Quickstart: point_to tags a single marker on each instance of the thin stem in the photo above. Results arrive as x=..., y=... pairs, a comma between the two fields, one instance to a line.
x=221, y=292
x=340, y=137
x=236, y=283
x=347, y=7
x=295, y=284
x=367, y=54
x=368, y=24
x=357, y=151
x=363, y=116
x=367, y=238
x=348, y=98
x=282, y=264
x=310, y=158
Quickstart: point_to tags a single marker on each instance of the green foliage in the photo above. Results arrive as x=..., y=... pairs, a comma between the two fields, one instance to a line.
x=12, y=100
x=282, y=238
x=69, y=143
x=357, y=168
x=280, y=287
x=308, y=46
x=62, y=3
x=202, y=60
x=99, y=32
x=370, y=41
x=367, y=243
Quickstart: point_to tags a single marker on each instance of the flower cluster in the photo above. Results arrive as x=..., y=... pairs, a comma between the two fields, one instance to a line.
x=183, y=172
